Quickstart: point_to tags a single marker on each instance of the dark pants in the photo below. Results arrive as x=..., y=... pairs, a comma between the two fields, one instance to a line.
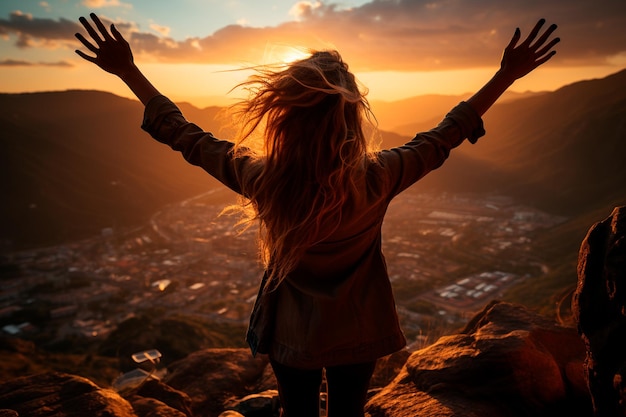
x=347, y=385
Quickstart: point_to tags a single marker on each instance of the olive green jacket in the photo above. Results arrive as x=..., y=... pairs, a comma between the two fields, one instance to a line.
x=337, y=306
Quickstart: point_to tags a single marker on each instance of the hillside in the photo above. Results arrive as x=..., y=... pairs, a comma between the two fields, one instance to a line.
x=77, y=162
x=568, y=153
x=562, y=151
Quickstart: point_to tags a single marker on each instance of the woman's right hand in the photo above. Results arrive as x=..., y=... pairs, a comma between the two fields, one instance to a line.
x=113, y=53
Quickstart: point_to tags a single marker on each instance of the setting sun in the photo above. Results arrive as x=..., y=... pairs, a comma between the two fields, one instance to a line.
x=284, y=54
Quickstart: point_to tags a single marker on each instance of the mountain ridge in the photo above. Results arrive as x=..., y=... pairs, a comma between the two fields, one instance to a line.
x=77, y=161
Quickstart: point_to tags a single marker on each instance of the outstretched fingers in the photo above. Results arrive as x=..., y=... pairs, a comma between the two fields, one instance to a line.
x=118, y=37
x=544, y=58
x=545, y=52
x=548, y=47
x=514, y=39
x=100, y=26
x=533, y=33
x=92, y=32
x=85, y=56
x=116, y=34
x=94, y=35
x=85, y=42
x=98, y=38
x=544, y=37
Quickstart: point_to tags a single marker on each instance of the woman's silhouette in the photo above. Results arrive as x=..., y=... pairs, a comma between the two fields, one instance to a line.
x=319, y=193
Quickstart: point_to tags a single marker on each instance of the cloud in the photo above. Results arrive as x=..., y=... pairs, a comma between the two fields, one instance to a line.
x=22, y=63
x=99, y=4
x=15, y=63
x=162, y=30
x=32, y=31
x=303, y=9
x=380, y=35
x=55, y=64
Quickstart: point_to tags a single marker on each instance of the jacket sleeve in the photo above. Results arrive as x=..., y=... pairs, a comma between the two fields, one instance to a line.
x=404, y=165
x=164, y=121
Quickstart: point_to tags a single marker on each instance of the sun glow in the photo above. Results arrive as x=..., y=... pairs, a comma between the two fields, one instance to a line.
x=294, y=55
x=284, y=54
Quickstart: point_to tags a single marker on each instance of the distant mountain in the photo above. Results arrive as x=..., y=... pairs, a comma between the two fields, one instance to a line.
x=401, y=116
x=76, y=162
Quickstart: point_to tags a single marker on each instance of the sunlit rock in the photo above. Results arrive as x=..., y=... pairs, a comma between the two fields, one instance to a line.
x=508, y=361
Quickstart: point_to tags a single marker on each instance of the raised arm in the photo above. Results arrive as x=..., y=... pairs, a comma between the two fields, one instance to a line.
x=517, y=61
x=113, y=54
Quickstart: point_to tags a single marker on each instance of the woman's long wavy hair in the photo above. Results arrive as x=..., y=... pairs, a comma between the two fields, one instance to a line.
x=310, y=115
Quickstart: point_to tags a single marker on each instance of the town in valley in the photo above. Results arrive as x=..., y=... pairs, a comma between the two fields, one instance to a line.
x=448, y=255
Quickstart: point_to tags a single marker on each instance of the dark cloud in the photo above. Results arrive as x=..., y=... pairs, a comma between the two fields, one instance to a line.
x=22, y=63
x=444, y=34
x=382, y=34
x=15, y=63
x=30, y=29
x=56, y=64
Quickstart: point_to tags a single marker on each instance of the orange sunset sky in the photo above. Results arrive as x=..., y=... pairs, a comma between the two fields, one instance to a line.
x=397, y=48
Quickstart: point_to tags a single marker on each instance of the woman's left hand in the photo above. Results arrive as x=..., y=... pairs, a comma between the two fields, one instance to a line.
x=113, y=53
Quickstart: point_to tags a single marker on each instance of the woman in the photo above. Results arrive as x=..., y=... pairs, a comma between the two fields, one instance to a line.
x=319, y=193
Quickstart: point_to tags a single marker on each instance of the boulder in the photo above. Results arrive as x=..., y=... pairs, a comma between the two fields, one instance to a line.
x=508, y=361
x=599, y=306
x=61, y=395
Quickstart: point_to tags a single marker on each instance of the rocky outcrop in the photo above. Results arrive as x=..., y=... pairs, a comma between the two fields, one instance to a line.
x=599, y=305
x=507, y=362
